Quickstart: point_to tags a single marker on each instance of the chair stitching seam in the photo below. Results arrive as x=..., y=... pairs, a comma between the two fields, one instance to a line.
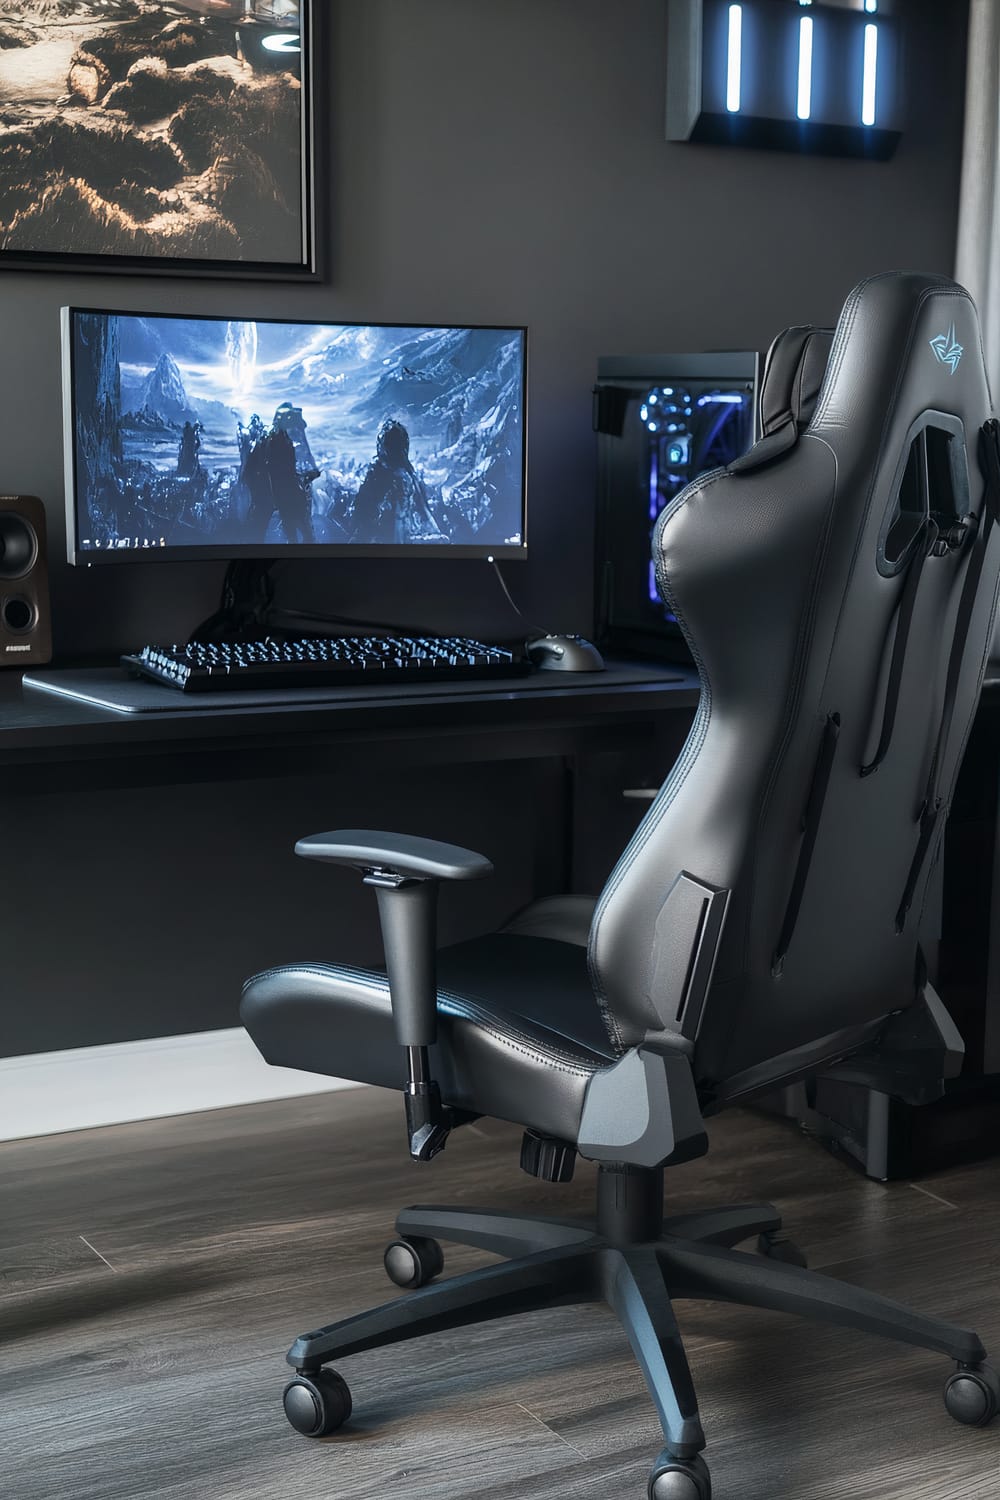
x=462, y=1008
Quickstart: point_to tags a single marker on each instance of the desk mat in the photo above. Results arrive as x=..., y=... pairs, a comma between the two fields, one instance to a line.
x=109, y=687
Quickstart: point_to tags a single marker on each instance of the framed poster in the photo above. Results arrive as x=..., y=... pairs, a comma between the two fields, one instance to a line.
x=158, y=136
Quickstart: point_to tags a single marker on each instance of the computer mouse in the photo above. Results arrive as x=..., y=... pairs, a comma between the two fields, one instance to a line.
x=565, y=653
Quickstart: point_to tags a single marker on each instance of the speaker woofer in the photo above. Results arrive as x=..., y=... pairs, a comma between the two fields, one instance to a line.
x=18, y=614
x=18, y=545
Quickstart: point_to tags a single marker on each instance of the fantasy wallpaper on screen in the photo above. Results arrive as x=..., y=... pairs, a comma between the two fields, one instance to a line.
x=205, y=433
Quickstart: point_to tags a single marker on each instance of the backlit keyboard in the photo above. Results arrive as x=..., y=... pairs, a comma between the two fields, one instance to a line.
x=321, y=660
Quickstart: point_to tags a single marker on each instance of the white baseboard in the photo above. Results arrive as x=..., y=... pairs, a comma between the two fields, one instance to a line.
x=49, y=1092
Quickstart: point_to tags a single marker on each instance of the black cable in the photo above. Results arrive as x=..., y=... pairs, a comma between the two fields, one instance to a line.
x=536, y=629
x=394, y=627
x=317, y=617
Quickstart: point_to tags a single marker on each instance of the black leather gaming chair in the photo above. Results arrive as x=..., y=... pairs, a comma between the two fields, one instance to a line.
x=837, y=588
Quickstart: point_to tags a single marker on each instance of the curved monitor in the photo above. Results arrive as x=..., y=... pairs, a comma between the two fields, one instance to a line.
x=203, y=437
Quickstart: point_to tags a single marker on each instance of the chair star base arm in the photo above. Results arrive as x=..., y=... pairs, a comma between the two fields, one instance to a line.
x=713, y=1273
x=724, y=1226
x=405, y=872
x=502, y=1233
x=562, y=1276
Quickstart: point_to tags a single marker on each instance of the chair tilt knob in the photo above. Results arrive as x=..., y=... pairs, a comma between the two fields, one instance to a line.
x=545, y=1157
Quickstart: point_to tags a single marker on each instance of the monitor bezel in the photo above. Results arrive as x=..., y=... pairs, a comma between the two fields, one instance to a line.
x=263, y=551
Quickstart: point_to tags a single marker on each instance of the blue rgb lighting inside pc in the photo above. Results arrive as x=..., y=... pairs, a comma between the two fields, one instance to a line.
x=211, y=437
x=690, y=434
x=661, y=421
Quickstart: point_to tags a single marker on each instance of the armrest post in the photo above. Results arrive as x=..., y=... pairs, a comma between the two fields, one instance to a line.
x=407, y=910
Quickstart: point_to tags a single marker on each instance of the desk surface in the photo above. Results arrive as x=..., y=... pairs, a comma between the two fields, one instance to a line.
x=40, y=726
x=37, y=726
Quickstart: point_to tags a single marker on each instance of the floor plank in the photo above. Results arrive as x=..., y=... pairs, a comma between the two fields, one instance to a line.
x=152, y=1275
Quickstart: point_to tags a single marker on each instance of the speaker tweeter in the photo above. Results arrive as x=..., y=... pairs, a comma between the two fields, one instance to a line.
x=25, y=624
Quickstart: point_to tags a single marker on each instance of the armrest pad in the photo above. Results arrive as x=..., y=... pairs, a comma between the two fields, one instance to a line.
x=402, y=853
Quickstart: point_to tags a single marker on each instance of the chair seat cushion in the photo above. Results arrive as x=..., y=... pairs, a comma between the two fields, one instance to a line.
x=519, y=1031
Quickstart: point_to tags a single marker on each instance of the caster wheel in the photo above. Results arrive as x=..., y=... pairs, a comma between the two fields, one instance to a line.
x=777, y=1246
x=972, y=1394
x=413, y=1263
x=317, y=1404
x=680, y=1479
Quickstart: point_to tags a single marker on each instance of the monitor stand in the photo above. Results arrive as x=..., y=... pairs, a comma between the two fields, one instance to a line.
x=247, y=597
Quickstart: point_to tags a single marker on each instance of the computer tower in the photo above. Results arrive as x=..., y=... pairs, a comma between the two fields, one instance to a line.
x=661, y=421
x=892, y=1141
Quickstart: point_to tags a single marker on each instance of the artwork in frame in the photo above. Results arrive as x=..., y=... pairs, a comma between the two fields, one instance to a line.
x=166, y=136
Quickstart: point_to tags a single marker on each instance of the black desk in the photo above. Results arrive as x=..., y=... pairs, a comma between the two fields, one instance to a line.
x=49, y=738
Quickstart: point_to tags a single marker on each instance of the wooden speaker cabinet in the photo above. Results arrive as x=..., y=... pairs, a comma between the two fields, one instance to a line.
x=25, y=622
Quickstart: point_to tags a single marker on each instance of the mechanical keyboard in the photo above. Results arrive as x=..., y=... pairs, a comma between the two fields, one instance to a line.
x=323, y=661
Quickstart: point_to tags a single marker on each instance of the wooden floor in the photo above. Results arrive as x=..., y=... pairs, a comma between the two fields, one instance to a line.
x=153, y=1275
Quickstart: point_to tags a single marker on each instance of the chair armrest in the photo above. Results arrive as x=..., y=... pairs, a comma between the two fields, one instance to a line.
x=405, y=872
x=395, y=854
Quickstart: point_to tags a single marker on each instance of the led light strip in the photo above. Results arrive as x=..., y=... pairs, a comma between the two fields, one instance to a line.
x=735, y=68
x=805, y=67
x=734, y=71
x=871, y=75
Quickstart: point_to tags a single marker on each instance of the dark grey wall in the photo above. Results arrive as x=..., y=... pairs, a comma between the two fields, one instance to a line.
x=493, y=161
x=504, y=161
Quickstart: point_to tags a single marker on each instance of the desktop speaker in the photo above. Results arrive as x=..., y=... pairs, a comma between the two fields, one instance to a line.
x=25, y=625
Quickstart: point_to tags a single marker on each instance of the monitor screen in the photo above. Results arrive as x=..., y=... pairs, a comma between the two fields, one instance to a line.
x=203, y=437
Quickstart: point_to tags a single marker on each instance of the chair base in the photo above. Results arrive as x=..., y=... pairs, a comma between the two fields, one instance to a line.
x=637, y=1263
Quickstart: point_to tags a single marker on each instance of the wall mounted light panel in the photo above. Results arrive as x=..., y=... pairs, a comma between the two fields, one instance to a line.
x=791, y=75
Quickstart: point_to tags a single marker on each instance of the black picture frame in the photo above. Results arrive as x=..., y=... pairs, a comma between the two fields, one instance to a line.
x=308, y=266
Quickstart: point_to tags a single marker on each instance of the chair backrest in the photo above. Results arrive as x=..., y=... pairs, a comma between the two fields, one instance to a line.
x=768, y=907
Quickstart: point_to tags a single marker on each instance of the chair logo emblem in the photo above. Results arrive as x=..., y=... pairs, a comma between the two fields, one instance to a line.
x=947, y=349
